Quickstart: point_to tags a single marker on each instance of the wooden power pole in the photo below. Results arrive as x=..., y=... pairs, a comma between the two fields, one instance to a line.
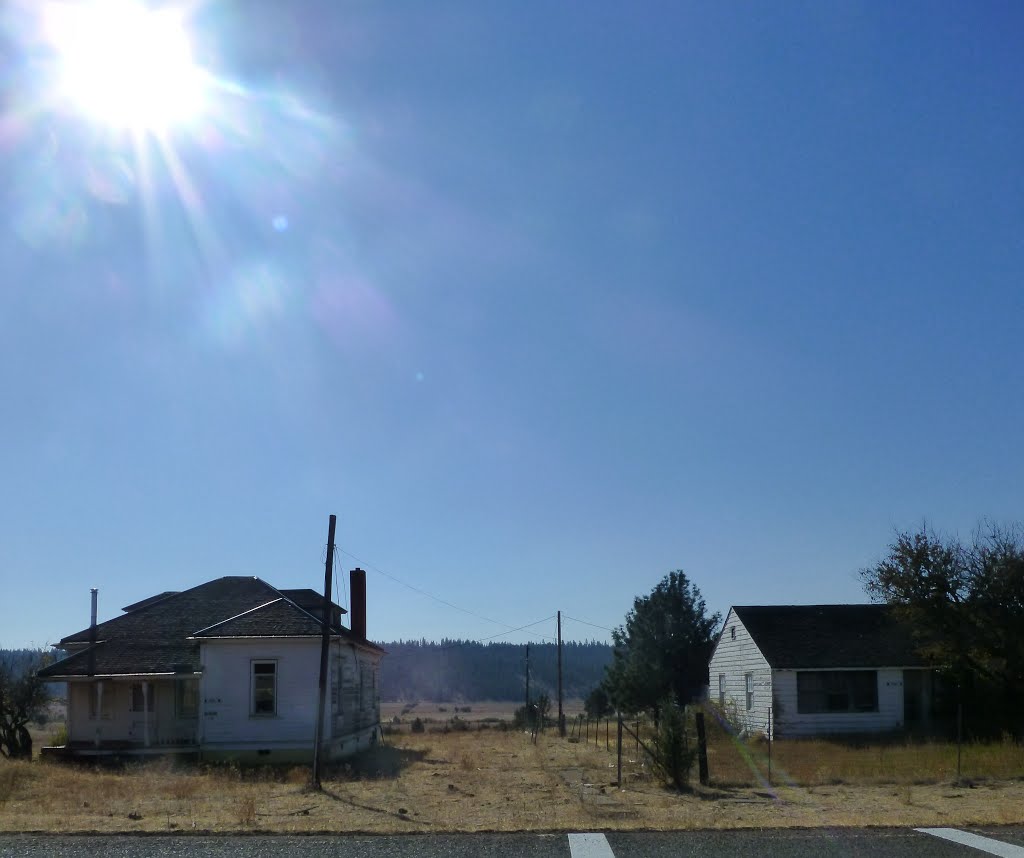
x=561, y=717
x=325, y=643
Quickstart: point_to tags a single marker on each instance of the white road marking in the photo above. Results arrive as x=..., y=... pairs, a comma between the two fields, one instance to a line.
x=985, y=844
x=589, y=846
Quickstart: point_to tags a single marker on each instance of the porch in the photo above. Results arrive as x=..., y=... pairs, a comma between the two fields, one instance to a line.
x=136, y=715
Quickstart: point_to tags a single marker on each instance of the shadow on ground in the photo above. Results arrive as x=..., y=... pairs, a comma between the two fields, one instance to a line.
x=378, y=763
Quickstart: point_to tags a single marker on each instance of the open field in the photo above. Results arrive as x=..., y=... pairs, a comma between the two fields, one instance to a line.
x=439, y=712
x=499, y=780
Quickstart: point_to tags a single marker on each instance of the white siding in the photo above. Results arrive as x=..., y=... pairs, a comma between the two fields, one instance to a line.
x=226, y=692
x=790, y=722
x=735, y=658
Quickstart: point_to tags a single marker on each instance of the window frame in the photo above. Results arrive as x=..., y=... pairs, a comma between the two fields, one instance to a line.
x=254, y=708
x=721, y=689
x=821, y=692
x=750, y=690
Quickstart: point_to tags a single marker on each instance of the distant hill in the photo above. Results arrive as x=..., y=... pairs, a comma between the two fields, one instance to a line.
x=468, y=670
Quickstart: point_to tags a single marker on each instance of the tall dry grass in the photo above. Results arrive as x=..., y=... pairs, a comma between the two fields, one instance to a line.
x=818, y=762
x=502, y=780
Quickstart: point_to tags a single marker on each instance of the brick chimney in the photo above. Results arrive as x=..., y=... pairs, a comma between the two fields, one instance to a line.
x=357, y=587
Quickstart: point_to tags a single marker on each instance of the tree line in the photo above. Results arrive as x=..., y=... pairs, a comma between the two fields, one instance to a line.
x=470, y=670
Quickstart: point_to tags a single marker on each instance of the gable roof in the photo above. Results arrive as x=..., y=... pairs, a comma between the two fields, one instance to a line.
x=160, y=635
x=824, y=636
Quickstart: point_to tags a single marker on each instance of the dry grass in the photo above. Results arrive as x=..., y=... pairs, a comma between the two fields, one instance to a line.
x=490, y=780
x=818, y=762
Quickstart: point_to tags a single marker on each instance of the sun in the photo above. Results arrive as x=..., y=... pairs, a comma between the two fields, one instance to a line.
x=124, y=65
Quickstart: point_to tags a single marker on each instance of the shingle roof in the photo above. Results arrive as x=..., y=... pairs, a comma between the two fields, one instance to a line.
x=309, y=599
x=158, y=635
x=823, y=636
x=149, y=601
x=279, y=618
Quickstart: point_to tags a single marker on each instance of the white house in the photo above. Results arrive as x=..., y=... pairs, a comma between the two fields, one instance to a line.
x=228, y=669
x=810, y=670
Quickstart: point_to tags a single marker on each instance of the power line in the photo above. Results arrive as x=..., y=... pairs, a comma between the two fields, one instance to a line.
x=586, y=623
x=431, y=595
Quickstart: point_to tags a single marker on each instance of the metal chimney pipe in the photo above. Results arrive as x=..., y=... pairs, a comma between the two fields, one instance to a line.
x=92, y=637
x=357, y=587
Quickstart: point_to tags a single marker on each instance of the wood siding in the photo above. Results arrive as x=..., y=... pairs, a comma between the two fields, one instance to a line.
x=358, y=706
x=790, y=722
x=352, y=703
x=735, y=658
x=226, y=692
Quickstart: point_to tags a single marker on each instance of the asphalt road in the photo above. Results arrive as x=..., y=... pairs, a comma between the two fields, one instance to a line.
x=1006, y=842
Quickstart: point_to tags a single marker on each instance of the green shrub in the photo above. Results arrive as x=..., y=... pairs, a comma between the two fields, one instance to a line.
x=673, y=756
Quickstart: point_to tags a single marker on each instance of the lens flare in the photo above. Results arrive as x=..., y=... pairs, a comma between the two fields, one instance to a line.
x=124, y=65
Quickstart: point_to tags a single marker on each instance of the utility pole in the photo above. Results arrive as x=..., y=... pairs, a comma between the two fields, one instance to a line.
x=527, y=680
x=325, y=642
x=561, y=717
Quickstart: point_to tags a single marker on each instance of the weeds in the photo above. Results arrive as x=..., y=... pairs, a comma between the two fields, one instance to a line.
x=10, y=776
x=246, y=811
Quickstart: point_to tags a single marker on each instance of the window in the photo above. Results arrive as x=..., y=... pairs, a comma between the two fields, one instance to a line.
x=264, y=688
x=99, y=700
x=732, y=632
x=721, y=689
x=750, y=691
x=836, y=691
x=186, y=698
x=139, y=699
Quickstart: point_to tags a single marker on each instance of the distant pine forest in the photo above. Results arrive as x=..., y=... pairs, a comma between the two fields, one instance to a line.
x=468, y=670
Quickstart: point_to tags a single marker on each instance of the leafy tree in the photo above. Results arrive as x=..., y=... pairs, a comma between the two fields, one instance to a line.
x=965, y=604
x=662, y=651
x=23, y=696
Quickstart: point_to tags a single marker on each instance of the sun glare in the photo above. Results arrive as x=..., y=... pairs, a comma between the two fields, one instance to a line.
x=124, y=65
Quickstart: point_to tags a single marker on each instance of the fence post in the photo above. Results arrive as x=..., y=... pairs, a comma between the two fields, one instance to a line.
x=607, y=741
x=618, y=776
x=702, y=749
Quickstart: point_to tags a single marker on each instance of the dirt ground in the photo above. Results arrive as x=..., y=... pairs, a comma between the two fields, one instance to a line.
x=480, y=780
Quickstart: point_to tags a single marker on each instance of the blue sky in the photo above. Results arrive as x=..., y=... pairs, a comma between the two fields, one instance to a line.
x=542, y=300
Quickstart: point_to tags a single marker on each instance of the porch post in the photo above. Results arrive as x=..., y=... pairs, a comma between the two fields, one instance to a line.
x=99, y=710
x=145, y=711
